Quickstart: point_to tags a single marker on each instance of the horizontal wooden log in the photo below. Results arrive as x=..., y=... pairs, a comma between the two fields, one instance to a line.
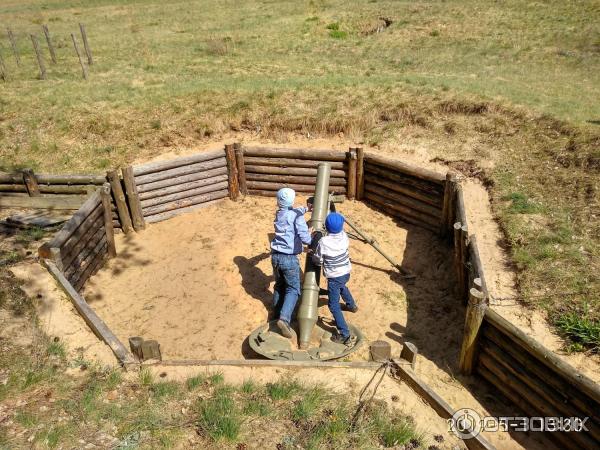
x=302, y=171
x=61, y=202
x=182, y=179
x=153, y=210
x=80, y=238
x=562, y=387
x=399, y=216
x=160, y=166
x=17, y=178
x=13, y=188
x=180, y=171
x=170, y=214
x=401, y=209
x=267, y=186
x=531, y=403
x=292, y=179
x=83, y=258
x=289, y=162
x=184, y=194
x=74, y=222
x=419, y=190
x=295, y=153
x=403, y=200
x=76, y=189
x=407, y=169
x=92, y=269
x=545, y=356
x=275, y=363
x=182, y=187
x=94, y=322
x=79, y=277
x=497, y=356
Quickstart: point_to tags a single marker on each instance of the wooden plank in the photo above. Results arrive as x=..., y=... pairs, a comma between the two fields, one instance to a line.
x=232, y=173
x=544, y=356
x=119, y=198
x=461, y=212
x=69, y=202
x=464, y=253
x=241, y=167
x=293, y=179
x=302, y=171
x=108, y=223
x=96, y=261
x=180, y=187
x=170, y=214
x=84, y=258
x=403, y=200
x=476, y=264
x=44, y=178
x=78, y=218
x=267, y=186
x=405, y=373
x=94, y=322
x=135, y=207
x=401, y=209
x=458, y=258
x=351, y=183
x=473, y=319
x=175, y=180
x=450, y=186
x=402, y=217
x=295, y=153
x=31, y=183
x=159, y=200
x=170, y=174
x=360, y=173
x=153, y=210
x=13, y=187
x=87, y=229
x=83, y=248
x=42, y=219
x=406, y=169
x=268, y=363
x=288, y=162
x=388, y=177
x=160, y=166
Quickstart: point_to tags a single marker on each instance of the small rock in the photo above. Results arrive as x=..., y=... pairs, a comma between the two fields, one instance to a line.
x=395, y=398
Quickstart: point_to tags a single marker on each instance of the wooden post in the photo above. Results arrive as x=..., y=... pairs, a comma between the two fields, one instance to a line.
x=448, y=205
x=409, y=353
x=117, y=190
x=83, y=69
x=351, y=184
x=135, y=345
x=234, y=189
x=464, y=254
x=49, y=42
x=31, y=183
x=360, y=173
x=458, y=269
x=38, y=55
x=475, y=312
x=241, y=167
x=13, y=44
x=86, y=44
x=108, y=223
x=2, y=69
x=134, y=200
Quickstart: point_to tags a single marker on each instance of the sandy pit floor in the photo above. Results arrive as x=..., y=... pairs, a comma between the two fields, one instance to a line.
x=200, y=283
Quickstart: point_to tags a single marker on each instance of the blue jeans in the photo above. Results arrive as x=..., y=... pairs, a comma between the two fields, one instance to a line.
x=337, y=287
x=286, y=269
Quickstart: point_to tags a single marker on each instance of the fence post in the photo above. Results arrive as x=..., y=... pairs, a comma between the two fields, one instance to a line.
x=2, y=69
x=49, y=42
x=232, y=173
x=241, y=167
x=360, y=173
x=108, y=223
x=135, y=206
x=448, y=207
x=115, y=183
x=83, y=69
x=351, y=182
x=86, y=44
x=38, y=55
x=31, y=183
x=13, y=44
x=473, y=319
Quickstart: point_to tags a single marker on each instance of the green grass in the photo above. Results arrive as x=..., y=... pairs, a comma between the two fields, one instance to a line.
x=195, y=382
x=218, y=416
x=283, y=389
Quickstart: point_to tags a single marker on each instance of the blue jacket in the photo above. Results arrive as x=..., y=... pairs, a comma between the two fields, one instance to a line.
x=291, y=231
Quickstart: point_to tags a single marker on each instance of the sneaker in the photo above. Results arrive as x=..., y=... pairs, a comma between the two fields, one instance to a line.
x=353, y=309
x=285, y=328
x=347, y=341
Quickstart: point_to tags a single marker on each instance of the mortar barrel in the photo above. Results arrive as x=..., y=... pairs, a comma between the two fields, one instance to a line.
x=321, y=198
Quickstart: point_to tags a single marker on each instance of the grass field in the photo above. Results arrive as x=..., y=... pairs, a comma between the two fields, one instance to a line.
x=510, y=86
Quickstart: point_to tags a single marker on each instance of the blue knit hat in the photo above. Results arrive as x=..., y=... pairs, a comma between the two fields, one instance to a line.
x=285, y=197
x=334, y=223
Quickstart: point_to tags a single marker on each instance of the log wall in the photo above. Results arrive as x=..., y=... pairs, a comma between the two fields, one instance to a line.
x=85, y=241
x=166, y=188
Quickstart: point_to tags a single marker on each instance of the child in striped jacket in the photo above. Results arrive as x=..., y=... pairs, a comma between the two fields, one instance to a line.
x=332, y=254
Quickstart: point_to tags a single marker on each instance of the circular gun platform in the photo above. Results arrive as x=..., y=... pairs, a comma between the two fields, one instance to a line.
x=267, y=340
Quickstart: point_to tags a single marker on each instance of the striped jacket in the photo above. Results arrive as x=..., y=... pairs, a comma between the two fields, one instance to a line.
x=332, y=254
